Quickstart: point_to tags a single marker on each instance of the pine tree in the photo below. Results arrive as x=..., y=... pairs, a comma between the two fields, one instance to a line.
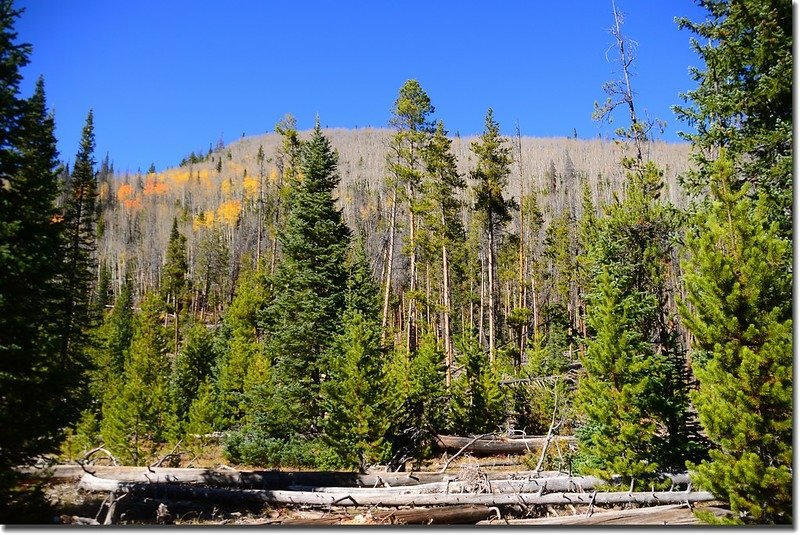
x=406, y=167
x=441, y=220
x=136, y=411
x=739, y=310
x=193, y=366
x=633, y=346
x=38, y=388
x=304, y=316
x=120, y=331
x=80, y=220
x=619, y=392
x=173, y=279
x=240, y=390
x=478, y=403
x=421, y=395
x=743, y=101
x=491, y=173
x=357, y=406
x=203, y=413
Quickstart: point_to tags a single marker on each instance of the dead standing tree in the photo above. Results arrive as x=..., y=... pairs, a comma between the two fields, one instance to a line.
x=620, y=92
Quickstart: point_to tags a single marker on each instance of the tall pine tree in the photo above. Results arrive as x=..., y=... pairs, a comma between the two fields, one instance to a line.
x=37, y=386
x=740, y=313
x=743, y=101
x=80, y=225
x=491, y=173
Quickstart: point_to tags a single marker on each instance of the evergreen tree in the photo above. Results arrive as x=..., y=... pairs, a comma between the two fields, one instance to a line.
x=193, y=366
x=103, y=297
x=620, y=390
x=80, y=220
x=743, y=101
x=421, y=394
x=304, y=315
x=136, y=411
x=441, y=211
x=239, y=349
x=739, y=310
x=407, y=167
x=357, y=407
x=478, y=403
x=38, y=388
x=120, y=332
x=491, y=173
x=203, y=413
x=173, y=279
x=634, y=363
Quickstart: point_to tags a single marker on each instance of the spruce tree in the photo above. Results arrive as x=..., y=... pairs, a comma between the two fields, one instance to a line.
x=304, y=316
x=80, y=220
x=635, y=365
x=420, y=395
x=193, y=366
x=355, y=398
x=739, y=310
x=174, y=285
x=38, y=388
x=619, y=393
x=239, y=390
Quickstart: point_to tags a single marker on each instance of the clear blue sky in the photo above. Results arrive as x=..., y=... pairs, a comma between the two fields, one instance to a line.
x=168, y=77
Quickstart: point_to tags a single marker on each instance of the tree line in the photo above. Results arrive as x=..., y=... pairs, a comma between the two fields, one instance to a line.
x=659, y=334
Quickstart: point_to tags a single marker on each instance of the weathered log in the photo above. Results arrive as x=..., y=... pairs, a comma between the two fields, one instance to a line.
x=518, y=485
x=458, y=514
x=495, y=445
x=525, y=481
x=380, y=497
x=259, y=479
x=674, y=514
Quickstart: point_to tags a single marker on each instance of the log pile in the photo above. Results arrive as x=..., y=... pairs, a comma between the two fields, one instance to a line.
x=468, y=496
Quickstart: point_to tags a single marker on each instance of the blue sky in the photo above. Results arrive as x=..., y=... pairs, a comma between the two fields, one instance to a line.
x=169, y=77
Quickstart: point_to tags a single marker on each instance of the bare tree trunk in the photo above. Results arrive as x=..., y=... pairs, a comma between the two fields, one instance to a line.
x=492, y=291
x=522, y=257
x=412, y=269
x=448, y=343
x=483, y=299
x=388, y=283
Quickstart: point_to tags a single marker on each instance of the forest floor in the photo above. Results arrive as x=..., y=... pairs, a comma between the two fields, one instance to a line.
x=74, y=505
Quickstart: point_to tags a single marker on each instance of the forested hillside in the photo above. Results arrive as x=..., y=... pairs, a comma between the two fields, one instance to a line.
x=218, y=195
x=335, y=299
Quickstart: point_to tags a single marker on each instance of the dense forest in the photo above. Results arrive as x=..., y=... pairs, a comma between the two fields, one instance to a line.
x=334, y=299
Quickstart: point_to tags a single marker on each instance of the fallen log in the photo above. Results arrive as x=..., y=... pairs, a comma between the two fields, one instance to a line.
x=674, y=514
x=381, y=497
x=459, y=514
x=518, y=485
x=495, y=445
x=526, y=481
x=259, y=479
